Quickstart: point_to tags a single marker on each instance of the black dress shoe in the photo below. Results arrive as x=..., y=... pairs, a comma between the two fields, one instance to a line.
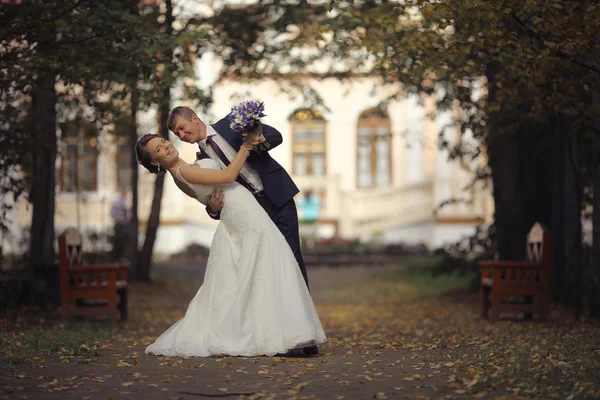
x=311, y=350
x=293, y=353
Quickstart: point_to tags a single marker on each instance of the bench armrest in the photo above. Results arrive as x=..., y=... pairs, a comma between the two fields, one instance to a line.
x=509, y=264
x=95, y=267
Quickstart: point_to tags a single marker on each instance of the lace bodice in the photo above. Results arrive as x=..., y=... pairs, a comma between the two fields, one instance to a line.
x=240, y=211
x=202, y=191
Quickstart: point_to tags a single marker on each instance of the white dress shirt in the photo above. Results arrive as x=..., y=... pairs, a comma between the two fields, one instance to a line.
x=247, y=172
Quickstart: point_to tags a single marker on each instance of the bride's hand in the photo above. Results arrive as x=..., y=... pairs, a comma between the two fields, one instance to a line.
x=253, y=139
x=258, y=135
x=250, y=142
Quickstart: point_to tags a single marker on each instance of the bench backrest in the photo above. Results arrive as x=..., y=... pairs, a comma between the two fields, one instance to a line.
x=70, y=249
x=538, y=245
x=70, y=254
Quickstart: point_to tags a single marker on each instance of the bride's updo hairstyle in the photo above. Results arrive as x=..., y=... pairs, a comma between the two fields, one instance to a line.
x=143, y=156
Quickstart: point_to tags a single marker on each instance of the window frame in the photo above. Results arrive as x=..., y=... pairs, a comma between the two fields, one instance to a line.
x=373, y=118
x=308, y=119
x=83, y=134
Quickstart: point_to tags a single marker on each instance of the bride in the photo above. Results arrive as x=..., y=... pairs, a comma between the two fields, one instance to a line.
x=253, y=300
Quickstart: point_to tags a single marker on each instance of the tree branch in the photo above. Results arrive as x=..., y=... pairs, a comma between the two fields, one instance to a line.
x=68, y=10
x=72, y=42
x=557, y=52
x=52, y=19
x=190, y=22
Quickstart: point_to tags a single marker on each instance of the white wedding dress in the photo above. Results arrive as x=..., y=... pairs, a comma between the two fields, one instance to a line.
x=253, y=300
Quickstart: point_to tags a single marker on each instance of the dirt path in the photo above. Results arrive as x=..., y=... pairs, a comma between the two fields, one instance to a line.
x=382, y=344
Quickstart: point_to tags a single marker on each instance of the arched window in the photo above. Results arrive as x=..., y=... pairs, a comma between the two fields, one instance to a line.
x=79, y=157
x=308, y=144
x=374, y=156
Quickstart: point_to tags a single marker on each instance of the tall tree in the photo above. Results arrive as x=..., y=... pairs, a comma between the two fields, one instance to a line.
x=144, y=262
x=132, y=137
x=513, y=66
x=175, y=53
x=595, y=167
x=43, y=119
x=66, y=42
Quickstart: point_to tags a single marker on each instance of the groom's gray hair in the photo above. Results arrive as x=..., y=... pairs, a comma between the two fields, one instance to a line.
x=181, y=111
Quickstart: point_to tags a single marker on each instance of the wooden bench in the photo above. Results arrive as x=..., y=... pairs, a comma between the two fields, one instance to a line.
x=519, y=286
x=89, y=290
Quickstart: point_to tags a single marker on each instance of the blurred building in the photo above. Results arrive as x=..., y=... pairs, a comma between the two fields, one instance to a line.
x=378, y=171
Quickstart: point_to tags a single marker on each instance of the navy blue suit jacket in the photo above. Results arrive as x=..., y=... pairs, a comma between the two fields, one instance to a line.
x=277, y=183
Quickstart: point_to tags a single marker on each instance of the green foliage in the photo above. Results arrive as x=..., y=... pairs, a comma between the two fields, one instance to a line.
x=512, y=67
x=66, y=41
x=96, y=52
x=539, y=54
x=509, y=61
x=427, y=284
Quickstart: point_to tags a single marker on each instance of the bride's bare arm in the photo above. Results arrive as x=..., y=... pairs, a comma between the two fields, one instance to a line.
x=203, y=176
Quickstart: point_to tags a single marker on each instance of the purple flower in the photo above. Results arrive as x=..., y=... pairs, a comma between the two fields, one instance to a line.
x=245, y=117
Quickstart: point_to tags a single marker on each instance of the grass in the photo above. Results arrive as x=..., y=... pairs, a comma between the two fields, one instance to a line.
x=545, y=362
x=77, y=341
x=81, y=341
x=366, y=308
x=412, y=279
x=418, y=274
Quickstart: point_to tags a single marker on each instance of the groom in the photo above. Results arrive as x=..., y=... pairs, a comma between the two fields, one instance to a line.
x=271, y=185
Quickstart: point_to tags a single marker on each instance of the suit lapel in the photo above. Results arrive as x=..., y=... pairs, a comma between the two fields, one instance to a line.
x=201, y=154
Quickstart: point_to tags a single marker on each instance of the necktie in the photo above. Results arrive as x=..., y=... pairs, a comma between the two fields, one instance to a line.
x=240, y=179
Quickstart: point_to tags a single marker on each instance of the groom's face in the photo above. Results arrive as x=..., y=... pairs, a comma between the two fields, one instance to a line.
x=189, y=131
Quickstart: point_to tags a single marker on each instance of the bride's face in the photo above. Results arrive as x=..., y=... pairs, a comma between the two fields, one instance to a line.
x=162, y=152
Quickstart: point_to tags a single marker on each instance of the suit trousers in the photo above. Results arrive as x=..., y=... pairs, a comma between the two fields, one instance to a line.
x=286, y=219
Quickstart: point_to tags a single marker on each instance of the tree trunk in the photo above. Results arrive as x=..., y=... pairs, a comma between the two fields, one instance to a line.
x=557, y=248
x=145, y=260
x=594, y=268
x=509, y=205
x=503, y=152
x=572, y=220
x=1, y=251
x=42, y=195
x=132, y=139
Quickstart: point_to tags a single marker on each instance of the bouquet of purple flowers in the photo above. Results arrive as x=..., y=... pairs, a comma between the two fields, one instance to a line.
x=245, y=118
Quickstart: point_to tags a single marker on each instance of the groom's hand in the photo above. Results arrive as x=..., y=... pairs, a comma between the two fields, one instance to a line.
x=215, y=201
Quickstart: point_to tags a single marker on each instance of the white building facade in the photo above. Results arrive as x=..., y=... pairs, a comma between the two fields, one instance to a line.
x=377, y=171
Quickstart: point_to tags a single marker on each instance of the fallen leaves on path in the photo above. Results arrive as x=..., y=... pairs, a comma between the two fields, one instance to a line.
x=382, y=343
